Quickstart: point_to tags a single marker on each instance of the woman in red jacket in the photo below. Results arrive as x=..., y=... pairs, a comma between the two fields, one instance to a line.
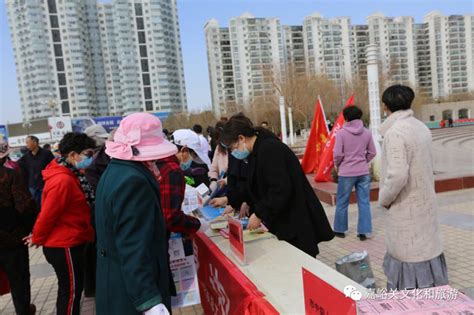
x=64, y=223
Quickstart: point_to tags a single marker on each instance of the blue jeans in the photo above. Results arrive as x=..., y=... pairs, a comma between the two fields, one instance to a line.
x=344, y=189
x=36, y=194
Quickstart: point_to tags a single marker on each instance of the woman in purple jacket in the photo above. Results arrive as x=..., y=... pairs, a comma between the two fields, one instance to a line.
x=353, y=151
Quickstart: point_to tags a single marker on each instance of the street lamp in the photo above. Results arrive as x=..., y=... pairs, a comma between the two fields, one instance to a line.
x=51, y=102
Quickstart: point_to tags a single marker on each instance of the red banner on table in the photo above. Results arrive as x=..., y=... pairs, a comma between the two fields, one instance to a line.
x=236, y=239
x=322, y=298
x=223, y=287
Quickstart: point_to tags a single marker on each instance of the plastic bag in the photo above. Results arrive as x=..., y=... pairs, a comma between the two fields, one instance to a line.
x=356, y=266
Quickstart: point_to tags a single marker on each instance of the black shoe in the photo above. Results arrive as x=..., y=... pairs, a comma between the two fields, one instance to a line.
x=362, y=237
x=32, y=309
x=339, y=234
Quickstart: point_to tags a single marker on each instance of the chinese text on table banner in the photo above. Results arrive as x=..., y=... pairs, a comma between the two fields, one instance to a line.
x=224, y=288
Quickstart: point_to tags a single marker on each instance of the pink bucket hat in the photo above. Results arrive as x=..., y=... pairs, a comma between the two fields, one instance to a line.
x=140, y=138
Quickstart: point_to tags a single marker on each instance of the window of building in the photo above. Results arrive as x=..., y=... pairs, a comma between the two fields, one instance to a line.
x=63, y=93
x=147, y=92
x=52, y=6
x=463, y=113
x=65, y=107
x=143, y=52
x=58, y=51
x=146, y=79
x=138, y=9
x=56, y=36
x=148, y=105
x=59, y=64
x=54, y=21
x=144, y=63
x=62, y=79
x=140, y=24
x=141, y=37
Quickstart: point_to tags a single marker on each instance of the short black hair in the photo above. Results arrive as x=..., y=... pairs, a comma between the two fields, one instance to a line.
x=47, y=146
x=237, y=125
x=75, y=142
x=398, y=97
x=351, y=113
x=34, y=139
x=197, y=128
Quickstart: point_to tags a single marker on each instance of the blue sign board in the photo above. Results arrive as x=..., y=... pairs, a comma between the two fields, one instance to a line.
x=162, y=115
x=3, y=132
x=109, y=123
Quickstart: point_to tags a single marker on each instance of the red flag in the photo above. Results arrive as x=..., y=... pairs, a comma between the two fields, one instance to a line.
x=327, y=159
x=317, y=139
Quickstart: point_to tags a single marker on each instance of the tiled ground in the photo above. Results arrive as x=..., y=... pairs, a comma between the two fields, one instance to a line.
x=457, y=225
x=456, y=214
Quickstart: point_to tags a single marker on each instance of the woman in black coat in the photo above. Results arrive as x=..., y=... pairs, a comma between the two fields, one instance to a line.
x=280, y=194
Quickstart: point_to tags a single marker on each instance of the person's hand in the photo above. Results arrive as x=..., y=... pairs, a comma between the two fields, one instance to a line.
x=222, y=182
x=219, y=202
x=244, y=210
x=213, y=185
x=204, y=225
x=159, y=309
x=228, y=210
x=254, y=222
x=27, y=240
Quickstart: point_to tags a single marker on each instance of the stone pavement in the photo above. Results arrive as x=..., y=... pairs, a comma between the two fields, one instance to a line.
x=456, y=213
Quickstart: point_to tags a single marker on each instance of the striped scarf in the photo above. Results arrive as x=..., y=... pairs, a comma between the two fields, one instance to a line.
x=86, y=187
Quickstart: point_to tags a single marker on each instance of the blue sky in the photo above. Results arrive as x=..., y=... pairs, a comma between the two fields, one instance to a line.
x=194, y=14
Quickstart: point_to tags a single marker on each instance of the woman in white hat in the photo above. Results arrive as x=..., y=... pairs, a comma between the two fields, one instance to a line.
x=194, y=160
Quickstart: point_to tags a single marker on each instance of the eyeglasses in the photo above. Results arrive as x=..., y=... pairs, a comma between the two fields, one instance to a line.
x=88, y=153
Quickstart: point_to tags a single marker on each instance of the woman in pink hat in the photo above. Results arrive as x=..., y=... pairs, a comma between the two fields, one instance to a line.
x=132, y=261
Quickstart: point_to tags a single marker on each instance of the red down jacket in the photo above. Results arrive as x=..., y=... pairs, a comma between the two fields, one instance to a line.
x=65, y=216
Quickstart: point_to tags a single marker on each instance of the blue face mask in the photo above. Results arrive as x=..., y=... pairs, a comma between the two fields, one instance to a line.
x=241, y=155
x=186, y=165
x=84, y=163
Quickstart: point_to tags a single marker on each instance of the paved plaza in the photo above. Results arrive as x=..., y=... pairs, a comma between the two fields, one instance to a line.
x=456, y=214
x=453, y=154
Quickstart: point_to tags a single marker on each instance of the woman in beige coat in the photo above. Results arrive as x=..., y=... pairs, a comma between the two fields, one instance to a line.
x=414, y=257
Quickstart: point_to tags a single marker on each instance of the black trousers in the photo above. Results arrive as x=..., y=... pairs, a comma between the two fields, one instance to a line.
x=90, y=260
x=68, y=263
x=16, y=264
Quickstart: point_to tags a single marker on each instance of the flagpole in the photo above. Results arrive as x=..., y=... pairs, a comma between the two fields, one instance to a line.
x=283, y=120
x=290, y=119
x=324, y=114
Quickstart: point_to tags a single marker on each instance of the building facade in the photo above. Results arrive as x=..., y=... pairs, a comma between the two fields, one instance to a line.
x=244, y=59
x=97, y=59
x=451, y=49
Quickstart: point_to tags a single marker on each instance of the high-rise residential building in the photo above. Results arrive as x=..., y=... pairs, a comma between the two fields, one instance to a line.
x=221, y=74
x=451, y=53
x=360, y=40
x=435, y=57
x=257, y=56
x=244, y=60
x=328, y=47
x=294, y=49
x=422, y=59
x=394, y=38
x=97, y=58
